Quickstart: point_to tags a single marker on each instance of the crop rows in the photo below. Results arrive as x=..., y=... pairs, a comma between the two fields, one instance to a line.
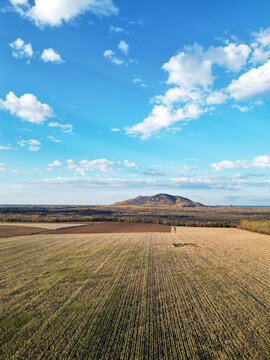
x=136, y=296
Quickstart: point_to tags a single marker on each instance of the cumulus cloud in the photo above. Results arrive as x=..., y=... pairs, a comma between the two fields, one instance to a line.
x=216, y=97
x=163, y=117
x=50, y=55
x=233, y=56
x=102, y=165
x=124, y=47
x=262, y=161
x=55, y=163
x=32, y=145
x=189, y=68
x=21, y=50
x=129, y=164
x=67, y=128
x=227, y=164
x=71, y=164
x=263, y=37
x=110, y=55
x=191, y=81
x=241, y=108
x=55, y=12
x=254, y=82
x=259, y=56
x=26, y=107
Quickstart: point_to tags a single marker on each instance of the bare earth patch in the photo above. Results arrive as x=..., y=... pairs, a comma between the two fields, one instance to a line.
x=113, y=227
x=10, y=231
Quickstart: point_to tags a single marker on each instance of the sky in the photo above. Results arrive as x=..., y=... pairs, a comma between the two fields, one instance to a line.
x=104, y=100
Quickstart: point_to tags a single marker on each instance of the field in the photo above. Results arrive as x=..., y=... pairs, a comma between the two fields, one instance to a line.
x=136, y=296
x=113, y=227
x=10, y=230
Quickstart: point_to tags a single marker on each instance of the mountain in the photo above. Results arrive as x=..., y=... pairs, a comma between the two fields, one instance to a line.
x=160, y=200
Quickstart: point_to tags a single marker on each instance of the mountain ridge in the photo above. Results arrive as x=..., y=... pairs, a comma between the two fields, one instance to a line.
x=161, y=199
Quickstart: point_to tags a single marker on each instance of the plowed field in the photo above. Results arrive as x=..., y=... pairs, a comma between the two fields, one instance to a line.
x=113, y=227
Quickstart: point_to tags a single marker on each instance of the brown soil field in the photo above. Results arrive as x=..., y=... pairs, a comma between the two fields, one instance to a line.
x=10, y=230
x=113, y=227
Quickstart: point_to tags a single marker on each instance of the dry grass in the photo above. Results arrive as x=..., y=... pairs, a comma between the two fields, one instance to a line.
x=256, y=226
x=136, y=296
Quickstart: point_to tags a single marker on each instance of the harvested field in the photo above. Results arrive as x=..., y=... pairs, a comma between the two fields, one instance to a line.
x=9, y=231
x=114, y=227
x=49, y=226
x=136, y=296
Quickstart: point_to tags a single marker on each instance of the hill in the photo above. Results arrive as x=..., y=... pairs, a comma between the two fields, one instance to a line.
x=160, y=200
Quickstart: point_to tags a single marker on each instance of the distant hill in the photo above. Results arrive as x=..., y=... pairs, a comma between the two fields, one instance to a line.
x=160, y=200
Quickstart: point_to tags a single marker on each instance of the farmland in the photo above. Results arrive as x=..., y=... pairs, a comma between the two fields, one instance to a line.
x=136, y=295
x=112, y=227
x=143, y=214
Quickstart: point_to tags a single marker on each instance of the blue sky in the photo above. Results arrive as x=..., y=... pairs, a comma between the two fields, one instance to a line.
x=103, y=100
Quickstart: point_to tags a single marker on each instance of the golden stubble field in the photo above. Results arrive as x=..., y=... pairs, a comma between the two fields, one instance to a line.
x=136, y=296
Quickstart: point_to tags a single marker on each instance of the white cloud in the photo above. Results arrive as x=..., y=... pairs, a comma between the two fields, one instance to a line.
x=216, y=97
x=27, y=107
x=262, y=161
x=189, y=68
x=139, y=81
x=19, y=2
x=259, y=56
x=226, y=164
x=55, y=12
x=163, y=117
x=192, y=90
x=254, y=82
x=115, y=129
x=50, y=55
x=129, y=164
x=55, y=163
x=124, y=47
x=102, y=165
x=241, y=108
x=116, y=29
x=32, y=145
x=71, y=164
x=233, y=56
x=67, y=128
x=54, y=139
x=5, y=147
x=110, y=55
x=21, y=50
x=263, y=36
